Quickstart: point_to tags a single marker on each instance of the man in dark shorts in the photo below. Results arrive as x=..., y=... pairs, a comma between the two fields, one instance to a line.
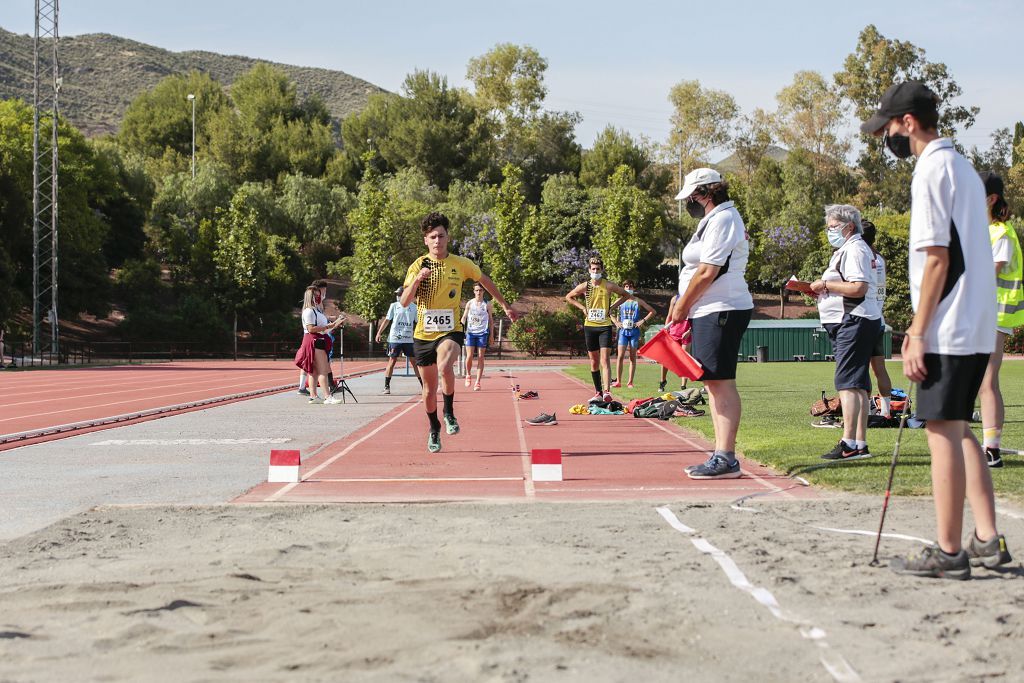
x=948, y=343
x=598, y=328
x=402, y=320
x=434, y=282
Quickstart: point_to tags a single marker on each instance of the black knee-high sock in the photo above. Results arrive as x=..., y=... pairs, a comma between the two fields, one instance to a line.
x=449, y=404
x=387, y=380
x=596, y=374
x=435, y=424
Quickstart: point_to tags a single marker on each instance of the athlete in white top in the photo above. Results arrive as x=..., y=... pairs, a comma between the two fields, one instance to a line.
x=402, y=322
x=948, y=343
x=882, y=378
x=479, y=323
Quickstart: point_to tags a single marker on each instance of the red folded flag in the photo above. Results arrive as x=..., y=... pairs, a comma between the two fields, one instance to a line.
x=669, y=354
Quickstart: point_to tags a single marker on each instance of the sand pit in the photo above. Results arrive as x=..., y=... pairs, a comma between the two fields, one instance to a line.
x=534, y=592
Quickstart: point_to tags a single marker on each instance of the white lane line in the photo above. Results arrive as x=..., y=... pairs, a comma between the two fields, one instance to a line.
x=189, y=442
x=288, y=487
x=411, y=480
x=524, y=453
x=861, y=532
x=833, y=661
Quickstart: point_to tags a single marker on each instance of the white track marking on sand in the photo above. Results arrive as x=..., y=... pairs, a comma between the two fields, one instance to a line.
x=861, y=532
x=288, y=487
x=189, y=442
x=834, y=662
x=524, y=453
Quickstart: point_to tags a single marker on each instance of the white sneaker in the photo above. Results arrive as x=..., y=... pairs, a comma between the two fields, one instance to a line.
x=332, y=401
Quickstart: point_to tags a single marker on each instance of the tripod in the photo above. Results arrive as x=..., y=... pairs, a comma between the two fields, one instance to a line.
x=342, y=386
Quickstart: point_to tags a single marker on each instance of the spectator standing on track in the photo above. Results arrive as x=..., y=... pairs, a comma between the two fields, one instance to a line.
x=630, y=330
x=435, y=282
x=597, y=324
x=714, y=297
x=316, y=342
x=882, y=378
x=849, y=312
x=402, y=320
x=1006, y=254
x=952, y=334
x=479, y=321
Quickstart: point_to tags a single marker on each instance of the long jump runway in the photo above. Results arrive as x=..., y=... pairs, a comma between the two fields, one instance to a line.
x=605, y=458
x=41, y=405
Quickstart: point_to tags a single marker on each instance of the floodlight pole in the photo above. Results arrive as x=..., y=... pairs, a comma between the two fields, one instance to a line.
x=44, y=175
x=192, y=99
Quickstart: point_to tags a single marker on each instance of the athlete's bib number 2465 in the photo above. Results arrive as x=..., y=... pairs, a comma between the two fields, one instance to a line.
x=596, y=315
x=438, y=320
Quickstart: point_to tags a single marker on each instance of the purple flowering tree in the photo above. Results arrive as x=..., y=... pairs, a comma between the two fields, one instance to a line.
x=572, y=265
x=783, y=250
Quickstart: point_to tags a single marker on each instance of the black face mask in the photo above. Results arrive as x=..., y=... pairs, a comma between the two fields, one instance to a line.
x=898, y=144
x=694, y=208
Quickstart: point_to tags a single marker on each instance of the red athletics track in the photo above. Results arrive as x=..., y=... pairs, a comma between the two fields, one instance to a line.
x=604, y=457
x=52, y=399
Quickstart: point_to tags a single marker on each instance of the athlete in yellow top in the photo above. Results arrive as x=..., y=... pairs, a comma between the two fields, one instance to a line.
x=597, y=325
x=435, y=282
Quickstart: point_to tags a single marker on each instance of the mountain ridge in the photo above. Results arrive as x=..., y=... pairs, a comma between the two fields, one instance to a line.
x=102, y=74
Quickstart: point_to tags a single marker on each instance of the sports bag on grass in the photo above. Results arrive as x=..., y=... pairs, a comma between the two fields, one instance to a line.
x=826, y=406
x=649, y=408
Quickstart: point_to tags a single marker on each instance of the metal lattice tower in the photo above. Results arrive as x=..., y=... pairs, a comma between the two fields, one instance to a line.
x=46, y=88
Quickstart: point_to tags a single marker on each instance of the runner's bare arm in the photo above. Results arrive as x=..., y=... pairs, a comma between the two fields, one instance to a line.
x=465, y=313
x=651, y=312
x=409, y=293
x=381, y=326
x=489, y=285
x=576, y=291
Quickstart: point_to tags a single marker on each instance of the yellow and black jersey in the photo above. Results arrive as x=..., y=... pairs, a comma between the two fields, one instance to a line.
x=598, y=302
x=439, y=297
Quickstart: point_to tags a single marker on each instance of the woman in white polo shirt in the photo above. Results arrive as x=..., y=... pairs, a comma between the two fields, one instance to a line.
x=713, y=296
x=849, y=310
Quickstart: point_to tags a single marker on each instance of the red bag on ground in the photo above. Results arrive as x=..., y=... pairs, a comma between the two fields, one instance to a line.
x=669, y=354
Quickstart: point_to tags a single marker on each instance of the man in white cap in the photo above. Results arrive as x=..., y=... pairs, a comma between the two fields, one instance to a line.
x=952, y=335
x=714, y=297
x=402, y=320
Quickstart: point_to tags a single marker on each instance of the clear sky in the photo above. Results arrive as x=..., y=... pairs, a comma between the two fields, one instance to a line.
x=613, y=61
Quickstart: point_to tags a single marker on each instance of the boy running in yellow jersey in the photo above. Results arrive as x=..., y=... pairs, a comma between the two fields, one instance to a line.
x=597, y=326
x=434, y=282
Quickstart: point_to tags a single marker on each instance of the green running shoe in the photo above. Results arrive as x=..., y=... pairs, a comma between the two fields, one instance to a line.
x=434, y=442
x=451, y=425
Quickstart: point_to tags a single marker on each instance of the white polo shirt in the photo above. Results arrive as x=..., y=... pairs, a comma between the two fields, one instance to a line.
x=948, y=209
x=879, y=264
x=403, y=322
x=313, y=316
x=720, y=239
x=850, y=263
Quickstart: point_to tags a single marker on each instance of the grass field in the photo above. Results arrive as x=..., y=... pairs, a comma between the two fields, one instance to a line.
x=776, y=427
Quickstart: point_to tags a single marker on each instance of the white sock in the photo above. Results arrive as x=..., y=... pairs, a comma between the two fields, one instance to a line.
x=861, y=444
x=886, y=407
x=850, y=443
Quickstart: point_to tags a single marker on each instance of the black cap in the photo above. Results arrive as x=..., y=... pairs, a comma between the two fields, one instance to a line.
x=993, y=183
x=909, y=97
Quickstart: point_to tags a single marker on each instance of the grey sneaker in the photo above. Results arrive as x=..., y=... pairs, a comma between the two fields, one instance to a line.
x=303, y=392
x=933, y=563
x=451, y=425
x=434, y=442
x=543, y=420
x=717, y=467
x=990, y=554
x=829, y=422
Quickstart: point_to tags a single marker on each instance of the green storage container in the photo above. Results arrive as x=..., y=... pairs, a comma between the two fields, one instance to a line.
x=797, y=339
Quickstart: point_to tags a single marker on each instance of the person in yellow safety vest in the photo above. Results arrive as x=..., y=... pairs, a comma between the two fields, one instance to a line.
x=1010, y=301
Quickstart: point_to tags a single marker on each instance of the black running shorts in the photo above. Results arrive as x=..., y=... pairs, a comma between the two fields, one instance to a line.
x=598, y=338
x=951, y=386
x=853, y=343
x=426, y=351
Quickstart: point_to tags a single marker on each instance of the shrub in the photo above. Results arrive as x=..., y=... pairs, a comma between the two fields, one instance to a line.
x=538, y=331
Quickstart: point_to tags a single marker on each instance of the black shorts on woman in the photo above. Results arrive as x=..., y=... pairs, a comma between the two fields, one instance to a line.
x=715, y=342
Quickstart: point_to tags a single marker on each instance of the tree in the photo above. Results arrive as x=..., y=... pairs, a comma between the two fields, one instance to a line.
x=754, y=135
x=509, y=80
x=503, y=262
x=702, y=120
x=996, y=158
x=783, y=250
x=160, y=120
x=628, y=225
x=372, y=222
x=613, y=148
x=876, y=63
x=810, y=116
